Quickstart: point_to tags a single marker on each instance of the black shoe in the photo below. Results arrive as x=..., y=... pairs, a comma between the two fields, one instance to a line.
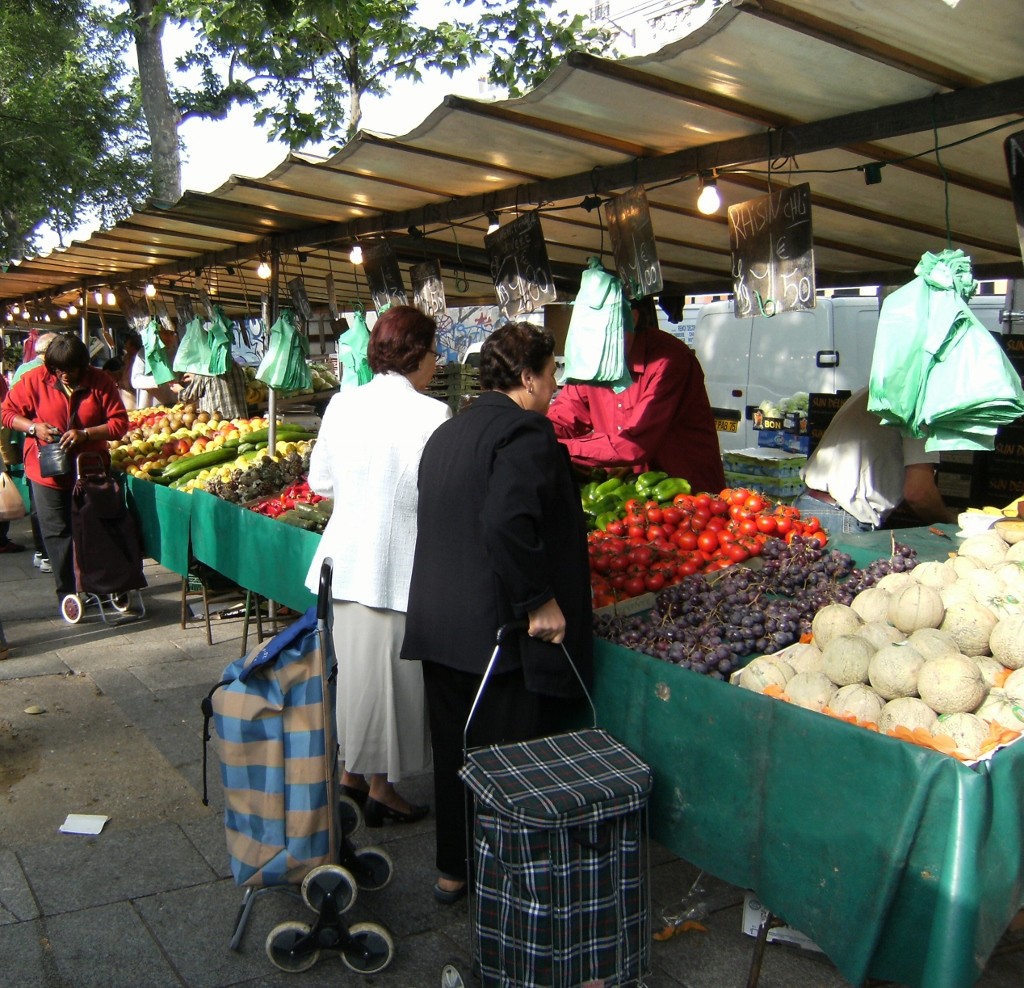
x=356, y=795
x=374, y=813
x=449, y=897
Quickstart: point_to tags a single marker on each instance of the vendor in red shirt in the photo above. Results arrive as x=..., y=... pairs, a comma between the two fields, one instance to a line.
x=79, y=406
x=662, y=421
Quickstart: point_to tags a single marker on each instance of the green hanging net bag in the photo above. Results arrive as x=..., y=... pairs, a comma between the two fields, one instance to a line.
x=595, y=351
x=220, y=344
x=284, y=365
x=193, y=356
x=352, y=347
x=158, y=366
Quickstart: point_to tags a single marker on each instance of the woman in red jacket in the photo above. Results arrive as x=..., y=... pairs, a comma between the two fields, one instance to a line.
x=69, y=402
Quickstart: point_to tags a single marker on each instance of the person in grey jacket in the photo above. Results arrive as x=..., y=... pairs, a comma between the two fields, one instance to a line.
x=500, y=538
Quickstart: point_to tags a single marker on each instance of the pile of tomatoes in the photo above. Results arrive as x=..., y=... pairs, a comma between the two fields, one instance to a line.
x=654, y=545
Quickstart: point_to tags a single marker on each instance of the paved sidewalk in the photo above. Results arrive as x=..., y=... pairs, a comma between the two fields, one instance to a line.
x=150, y=901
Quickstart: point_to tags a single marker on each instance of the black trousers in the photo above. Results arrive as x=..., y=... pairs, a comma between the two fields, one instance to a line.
x=508, y=712
x=53, y=509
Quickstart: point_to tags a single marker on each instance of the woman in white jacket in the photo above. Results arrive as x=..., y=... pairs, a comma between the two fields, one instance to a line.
x=367, y=458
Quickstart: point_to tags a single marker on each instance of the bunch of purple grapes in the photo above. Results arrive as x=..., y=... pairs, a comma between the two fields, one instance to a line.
x=710, y=625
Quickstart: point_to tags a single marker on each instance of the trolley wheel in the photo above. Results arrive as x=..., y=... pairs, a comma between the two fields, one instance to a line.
x=120, y=602
x=281, y=943
x=375, y=868
x=350, y=816
x=71, y=608
x=372, y=951
x=325, y=880
x=451, y=976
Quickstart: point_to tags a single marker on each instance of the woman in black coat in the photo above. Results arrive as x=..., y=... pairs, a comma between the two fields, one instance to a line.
x=501, y=537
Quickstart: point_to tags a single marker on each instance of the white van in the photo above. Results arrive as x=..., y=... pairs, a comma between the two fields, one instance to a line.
x=824, y=349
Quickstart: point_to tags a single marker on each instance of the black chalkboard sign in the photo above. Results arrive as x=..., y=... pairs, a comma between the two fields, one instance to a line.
x=183, y=309
x=633, y=244
x=519, y=266
x=1013, y=147
x=383, y=275
x=772, y=252
x=428, y=288
x=297, y=290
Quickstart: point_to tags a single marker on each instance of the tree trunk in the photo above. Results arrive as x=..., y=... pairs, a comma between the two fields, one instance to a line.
x=161, y=113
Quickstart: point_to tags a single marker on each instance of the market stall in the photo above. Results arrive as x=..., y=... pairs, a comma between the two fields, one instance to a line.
x=899, y=862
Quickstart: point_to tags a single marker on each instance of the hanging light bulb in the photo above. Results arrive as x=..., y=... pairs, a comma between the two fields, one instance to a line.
x=72, y=310
x=492, y=221
x=263, y=271
x=98, y=297
x=151, y=290
x=25, y=314
x=10, y=317
x=62, y=313
x=46, y=317
x=16, y=309
x=709, y=200
x=356, y=254
x=111, y=298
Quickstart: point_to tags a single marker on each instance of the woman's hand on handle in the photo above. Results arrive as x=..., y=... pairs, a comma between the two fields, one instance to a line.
x=547, y=622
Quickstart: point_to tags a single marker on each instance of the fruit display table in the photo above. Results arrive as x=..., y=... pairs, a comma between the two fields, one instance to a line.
x=899, y=862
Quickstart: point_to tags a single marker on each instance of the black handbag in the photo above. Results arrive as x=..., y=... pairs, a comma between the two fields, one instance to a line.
x=54, y=460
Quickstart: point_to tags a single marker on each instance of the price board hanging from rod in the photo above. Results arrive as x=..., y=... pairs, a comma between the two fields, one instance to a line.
x=383, y=275
x=772, y=247
x=633, y=245
x=428, y=288
x=519, y=266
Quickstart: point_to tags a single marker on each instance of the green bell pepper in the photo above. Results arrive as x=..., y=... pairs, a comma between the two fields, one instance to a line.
x=588, y=493
x=609, y=486
x=648, y=480
x=669, y=488
x=607, y=503
x=603, y=519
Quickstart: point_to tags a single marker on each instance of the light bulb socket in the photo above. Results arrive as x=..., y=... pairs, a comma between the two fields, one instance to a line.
x=492, y=221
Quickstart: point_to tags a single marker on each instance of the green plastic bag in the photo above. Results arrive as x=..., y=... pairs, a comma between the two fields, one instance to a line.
x=158, y=365
x=936, y=372
x=284, y=365
x=193, y=356
x=352, y=347
x=220, y=344
x=595, y=350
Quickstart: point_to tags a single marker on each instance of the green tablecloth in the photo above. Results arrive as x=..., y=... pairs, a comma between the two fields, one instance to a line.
x=164, y=518
x=899, y=862
x=257, y=552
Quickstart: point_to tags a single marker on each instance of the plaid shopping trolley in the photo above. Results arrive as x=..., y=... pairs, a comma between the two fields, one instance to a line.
x=561, y=895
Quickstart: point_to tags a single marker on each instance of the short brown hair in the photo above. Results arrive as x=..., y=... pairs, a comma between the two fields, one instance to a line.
x=510, y=350
x=399, y=339
x=66, y=353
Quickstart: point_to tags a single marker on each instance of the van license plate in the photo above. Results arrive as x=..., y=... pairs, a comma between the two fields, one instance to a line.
x=726, y=425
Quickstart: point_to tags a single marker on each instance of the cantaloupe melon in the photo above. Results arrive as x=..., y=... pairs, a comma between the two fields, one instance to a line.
x=906, y=711
x=933, y=574
x=988, y=548
x=962, y=565
x=834, y=620
x=1013, y=686
x=951, y=684
x=968, y=732
x=1015, y=553
x=802, y=656
x=1007, y=641
x=845, y=659
x=857, y=700
x=970, y=626
x=893, y=670
x=765, y=671
x=895, y=582
x=1002, y=709
x=991, y=670
x=933, y=643
x=872, y=604
x=916, y=606
x=811, y=690
x=881, y=633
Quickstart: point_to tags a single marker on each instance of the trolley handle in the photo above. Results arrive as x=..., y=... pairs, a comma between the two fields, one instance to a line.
x=503, y=632
x=323, y=597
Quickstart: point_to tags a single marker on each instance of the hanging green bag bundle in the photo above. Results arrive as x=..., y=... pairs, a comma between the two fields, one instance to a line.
x=936, y=372
x=158, y=365
x=352, y=347
x=595, y=341
x=193, y=356
x=220, y=344
x=284, y=366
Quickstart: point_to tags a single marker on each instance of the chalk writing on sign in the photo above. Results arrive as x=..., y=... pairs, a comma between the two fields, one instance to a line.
x=519, y=266
x=428, y=288
x=383, y=275
x=633, y=244
x=772, y=248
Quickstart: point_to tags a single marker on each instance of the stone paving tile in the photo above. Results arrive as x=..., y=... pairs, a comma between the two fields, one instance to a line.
x=27, y=959
x=16, y=901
